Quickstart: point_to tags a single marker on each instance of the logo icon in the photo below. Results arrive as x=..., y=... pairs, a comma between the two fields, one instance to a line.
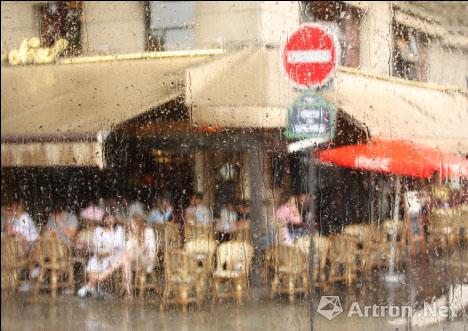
x=329, y=307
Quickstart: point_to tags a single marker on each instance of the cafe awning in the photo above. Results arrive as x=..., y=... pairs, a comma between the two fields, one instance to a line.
x=60, y=114
x=247, y=88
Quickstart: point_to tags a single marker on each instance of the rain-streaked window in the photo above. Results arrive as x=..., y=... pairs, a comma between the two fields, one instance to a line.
x=249, y=165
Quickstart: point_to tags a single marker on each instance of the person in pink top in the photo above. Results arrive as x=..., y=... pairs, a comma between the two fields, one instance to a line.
x=289, y=212
x=291, y=216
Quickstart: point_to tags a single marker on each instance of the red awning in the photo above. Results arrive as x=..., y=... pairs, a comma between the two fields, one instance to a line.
x=398, y=157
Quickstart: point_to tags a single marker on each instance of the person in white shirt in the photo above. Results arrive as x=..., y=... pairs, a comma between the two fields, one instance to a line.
x=21, y=225
x=141, y=248
x=197, y=213
x=109, y=244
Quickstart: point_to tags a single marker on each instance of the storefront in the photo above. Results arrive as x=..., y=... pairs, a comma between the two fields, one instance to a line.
x=247, y=90
x=59, y=122
x=200, y=123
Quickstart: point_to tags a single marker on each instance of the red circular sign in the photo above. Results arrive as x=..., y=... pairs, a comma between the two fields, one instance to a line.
x=309, y=56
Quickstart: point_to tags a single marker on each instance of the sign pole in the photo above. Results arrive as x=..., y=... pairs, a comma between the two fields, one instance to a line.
x=312, y=178
x=309, y=60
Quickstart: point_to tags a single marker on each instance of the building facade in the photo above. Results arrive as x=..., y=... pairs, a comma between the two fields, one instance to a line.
x=371, y=30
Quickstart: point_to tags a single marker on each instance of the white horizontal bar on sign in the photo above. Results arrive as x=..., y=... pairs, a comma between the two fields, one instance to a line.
x=312, y=56
x=306, y=143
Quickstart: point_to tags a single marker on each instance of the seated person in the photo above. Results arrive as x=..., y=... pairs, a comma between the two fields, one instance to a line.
x=92, y=214
x=141, y=248
x=21, y=225
x=109, y=241
x=226, y=224
x=161, y=212
x=64, y=225
x=135, y=208
x=291, y=214
x=197, y=213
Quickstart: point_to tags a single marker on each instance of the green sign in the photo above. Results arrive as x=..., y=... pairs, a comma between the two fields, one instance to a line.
x=312, y=118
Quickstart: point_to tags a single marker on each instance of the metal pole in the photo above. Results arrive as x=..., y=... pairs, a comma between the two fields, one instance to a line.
x=391, y=276
x=257, y=215
x=396, y=213
x=312, y=182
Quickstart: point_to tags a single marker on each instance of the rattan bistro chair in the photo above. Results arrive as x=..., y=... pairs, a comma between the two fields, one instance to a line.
x=233, y=263
x=195, y=232
x=204, y=250
x=290, y=272
x=342, y=259
x=446, y=229
x=243, y=232
x=183, y=284
x=14, y=259
x=321, y=246
x=171, y=236
x=321, y=254
x=147, y=281
x=53, y=258
x=168, y=238
x=369, y=239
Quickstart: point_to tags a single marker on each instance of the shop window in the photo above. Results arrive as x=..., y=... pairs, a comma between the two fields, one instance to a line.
x=61, y=20
x=409, y=53
x=342, y=17
x=170, y=25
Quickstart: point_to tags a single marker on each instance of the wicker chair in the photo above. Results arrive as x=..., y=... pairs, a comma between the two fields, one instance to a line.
x=53, y=258
x=463, y=210
x=171, y=236
x=445, y=227
x=233, y=260
x=268, y=263
x=159, y=231
x=204, y=250
x=290, y=272
x=14, y=259
x=183, y=284
x=442, y=231
x=368, y=238
x=147, y=281
x=342, y=258
x=243, y=232
x=321, y=254
x=82, y=248
x=193, y=232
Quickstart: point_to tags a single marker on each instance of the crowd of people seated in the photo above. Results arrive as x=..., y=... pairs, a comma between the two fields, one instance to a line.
x=122, y=233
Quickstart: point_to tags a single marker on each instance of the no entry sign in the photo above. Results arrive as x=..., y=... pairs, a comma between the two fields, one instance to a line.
x=309, y=56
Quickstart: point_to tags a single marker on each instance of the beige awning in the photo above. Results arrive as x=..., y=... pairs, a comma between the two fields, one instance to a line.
x=87, y=153
x=248, y=89
x=55, y=114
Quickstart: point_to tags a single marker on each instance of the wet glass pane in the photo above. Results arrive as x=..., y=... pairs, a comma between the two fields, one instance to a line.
x=234, y=165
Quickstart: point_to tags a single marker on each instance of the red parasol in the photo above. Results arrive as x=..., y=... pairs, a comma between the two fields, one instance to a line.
x=397, y=157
